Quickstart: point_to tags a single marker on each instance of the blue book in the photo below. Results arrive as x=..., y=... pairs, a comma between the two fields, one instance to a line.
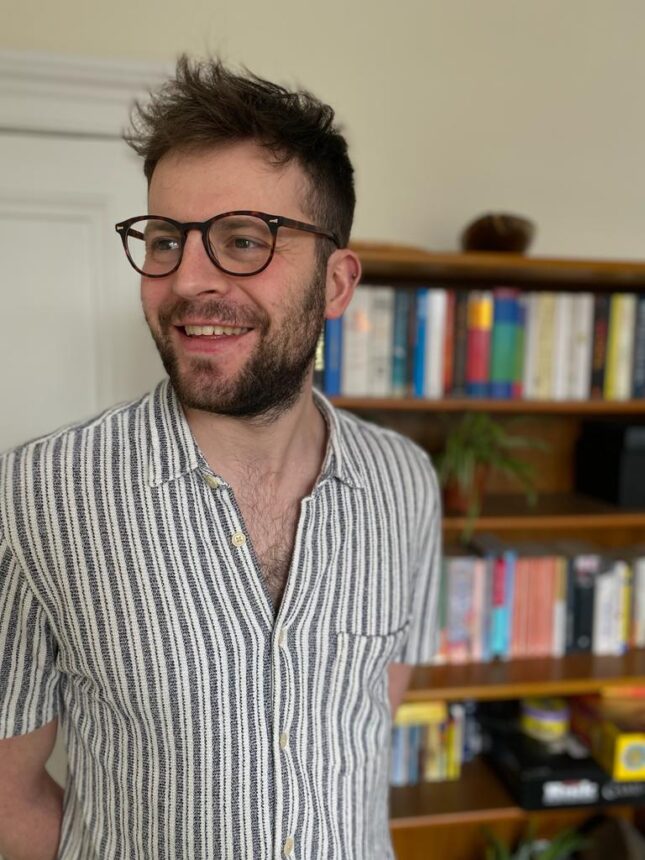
x=503, y=339
x=398, y=771
x=510, y=557
x=420, y=343
x=333, y=356
x=402, y=302
x=415, y=734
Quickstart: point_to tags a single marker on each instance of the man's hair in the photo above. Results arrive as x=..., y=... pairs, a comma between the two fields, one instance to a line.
x=206, y=105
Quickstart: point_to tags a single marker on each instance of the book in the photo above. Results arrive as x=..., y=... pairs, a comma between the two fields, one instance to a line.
x=357, y=330
x=599, y=345
x=435, y=342
x=333, y=356
x=420, y=343
x=620, y=347
x=638, y=374
x=580, y=347
x=503, y=342
x=460, y=344
x=480, y=322
x=381, y=341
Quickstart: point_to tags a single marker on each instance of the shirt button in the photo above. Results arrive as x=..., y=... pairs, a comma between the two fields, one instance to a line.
x=238, y=539
x=288, y=846
x=282, y=637
x=284, y=740
x=212, y=481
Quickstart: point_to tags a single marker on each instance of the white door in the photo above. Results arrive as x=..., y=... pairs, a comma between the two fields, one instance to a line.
x=72, y=336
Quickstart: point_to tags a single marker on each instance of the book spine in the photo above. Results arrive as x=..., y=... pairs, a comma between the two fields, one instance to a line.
x=510, y=558
x=503, y=337
x=581, y=347
x=497, y=609
x=402, y=299
x=560, y=609
x=520, y=348
x=562, y=339
x=638, y=386
x=542, y=385
x=380, y=343
x=356, y=338
x=620, y=347
x=449, y=342
x=420, y=343
x=460, y=351
x=435, y=342
x=480, y=322
x=599, y=348
x=333, y=356
x=530, y=345
x=584, y=579
x=639, y=603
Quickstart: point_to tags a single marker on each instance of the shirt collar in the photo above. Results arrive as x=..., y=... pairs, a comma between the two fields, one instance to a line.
x=174, y=452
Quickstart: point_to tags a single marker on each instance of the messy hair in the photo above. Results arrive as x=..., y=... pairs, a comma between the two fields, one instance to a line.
x=206, y=105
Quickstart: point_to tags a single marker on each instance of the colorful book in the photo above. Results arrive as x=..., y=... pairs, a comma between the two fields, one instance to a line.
x=480, y=324
x=620, y=347
x=599, y=345
x=503, y=342
x=420, y=343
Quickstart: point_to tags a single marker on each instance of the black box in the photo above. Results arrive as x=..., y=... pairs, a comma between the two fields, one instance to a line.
x=539, y=778
x=610, y=462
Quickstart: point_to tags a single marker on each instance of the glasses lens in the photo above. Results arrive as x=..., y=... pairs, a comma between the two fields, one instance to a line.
x=242, y=244
x=154, y=246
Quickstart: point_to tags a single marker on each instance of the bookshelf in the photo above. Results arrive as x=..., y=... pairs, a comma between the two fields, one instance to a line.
x=440, y=820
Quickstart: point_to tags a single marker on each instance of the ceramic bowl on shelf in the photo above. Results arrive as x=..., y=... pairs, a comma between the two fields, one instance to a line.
x=498, y=231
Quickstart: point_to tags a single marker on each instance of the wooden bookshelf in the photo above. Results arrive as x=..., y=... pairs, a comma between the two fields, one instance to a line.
x=401, y=265
x=517, y=407
x=553, y=511
x=573, y=674
x=430, y=821
x=477, y=796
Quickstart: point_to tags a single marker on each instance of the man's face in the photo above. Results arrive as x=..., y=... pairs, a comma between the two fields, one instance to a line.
x=260, y=370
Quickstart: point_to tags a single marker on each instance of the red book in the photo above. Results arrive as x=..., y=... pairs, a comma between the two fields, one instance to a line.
x=449, y=342
x=480, y=325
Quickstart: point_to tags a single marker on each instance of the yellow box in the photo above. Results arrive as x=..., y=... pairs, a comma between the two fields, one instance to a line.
x=615, y=731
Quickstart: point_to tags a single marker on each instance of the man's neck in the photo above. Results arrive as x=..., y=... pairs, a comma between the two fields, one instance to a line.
x=288, y=451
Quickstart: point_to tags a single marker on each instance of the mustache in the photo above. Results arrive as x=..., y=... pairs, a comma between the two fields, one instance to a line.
x=214, y=309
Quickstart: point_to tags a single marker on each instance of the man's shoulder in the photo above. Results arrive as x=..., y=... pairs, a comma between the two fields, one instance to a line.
x=69, y=437
x=360, y=434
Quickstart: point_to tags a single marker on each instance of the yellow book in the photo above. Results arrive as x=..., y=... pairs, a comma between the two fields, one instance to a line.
x=419, y=713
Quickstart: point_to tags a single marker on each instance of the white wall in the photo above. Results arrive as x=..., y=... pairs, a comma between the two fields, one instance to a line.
x=452, y=107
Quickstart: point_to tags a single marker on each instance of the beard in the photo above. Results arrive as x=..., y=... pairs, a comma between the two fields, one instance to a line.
x=274, y=375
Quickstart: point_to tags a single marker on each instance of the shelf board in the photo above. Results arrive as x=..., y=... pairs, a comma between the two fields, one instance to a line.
x=560, y=511
x=414, y=265
x=472, y=404
x=511, y=679
x=477, y=796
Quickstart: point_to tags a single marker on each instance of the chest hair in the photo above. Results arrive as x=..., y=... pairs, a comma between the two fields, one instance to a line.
x=271, y=523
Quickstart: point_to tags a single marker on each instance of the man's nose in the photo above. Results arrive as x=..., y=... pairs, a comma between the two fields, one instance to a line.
x=197, y=273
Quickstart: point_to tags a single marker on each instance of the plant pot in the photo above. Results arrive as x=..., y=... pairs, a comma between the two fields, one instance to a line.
x=458, y=499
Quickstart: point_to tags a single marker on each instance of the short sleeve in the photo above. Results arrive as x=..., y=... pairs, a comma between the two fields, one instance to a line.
x=28, y=649
x=421, y=642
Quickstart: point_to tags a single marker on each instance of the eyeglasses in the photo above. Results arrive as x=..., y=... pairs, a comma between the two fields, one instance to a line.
x=239, y=243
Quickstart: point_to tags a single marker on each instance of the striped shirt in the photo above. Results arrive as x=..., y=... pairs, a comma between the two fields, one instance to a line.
x=198, y=722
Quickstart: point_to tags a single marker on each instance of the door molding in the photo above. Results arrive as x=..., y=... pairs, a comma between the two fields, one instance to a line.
x=58, y=94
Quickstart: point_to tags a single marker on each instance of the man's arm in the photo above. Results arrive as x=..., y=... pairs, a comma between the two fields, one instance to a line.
x=31, y=802
x=399, y=675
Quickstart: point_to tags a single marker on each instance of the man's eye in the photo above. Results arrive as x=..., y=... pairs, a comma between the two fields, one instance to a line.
x=164, y=244
x=244, y=243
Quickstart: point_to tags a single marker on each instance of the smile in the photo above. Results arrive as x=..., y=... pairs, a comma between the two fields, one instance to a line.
x=211, y=330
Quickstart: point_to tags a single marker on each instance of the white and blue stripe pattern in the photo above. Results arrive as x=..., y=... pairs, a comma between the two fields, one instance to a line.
x=199, y=723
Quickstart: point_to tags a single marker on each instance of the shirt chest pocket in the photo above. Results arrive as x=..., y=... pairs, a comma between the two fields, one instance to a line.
x=360, y=690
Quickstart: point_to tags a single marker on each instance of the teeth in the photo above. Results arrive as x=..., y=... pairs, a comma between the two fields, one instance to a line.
x=209, y=330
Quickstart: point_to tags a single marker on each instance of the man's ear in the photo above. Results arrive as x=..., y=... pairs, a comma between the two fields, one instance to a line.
x=343, y=275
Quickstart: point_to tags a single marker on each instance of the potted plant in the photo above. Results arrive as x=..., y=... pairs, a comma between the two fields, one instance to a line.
x=477, y=445
x=561, y=847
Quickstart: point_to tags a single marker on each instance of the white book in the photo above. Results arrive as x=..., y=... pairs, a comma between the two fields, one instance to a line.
x=435, y=342
x=639, y=602
x=605, y=611
x=558, y=643
x=381, y=341
x=355, y=377
x=624, y=355
x=580, y=346
x=528, y=364
x=562, y=335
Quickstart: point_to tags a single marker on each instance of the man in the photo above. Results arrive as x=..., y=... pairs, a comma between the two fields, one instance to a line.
x=218, y=591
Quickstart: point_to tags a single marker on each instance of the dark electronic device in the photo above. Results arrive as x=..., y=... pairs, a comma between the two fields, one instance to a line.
x=610, y=462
